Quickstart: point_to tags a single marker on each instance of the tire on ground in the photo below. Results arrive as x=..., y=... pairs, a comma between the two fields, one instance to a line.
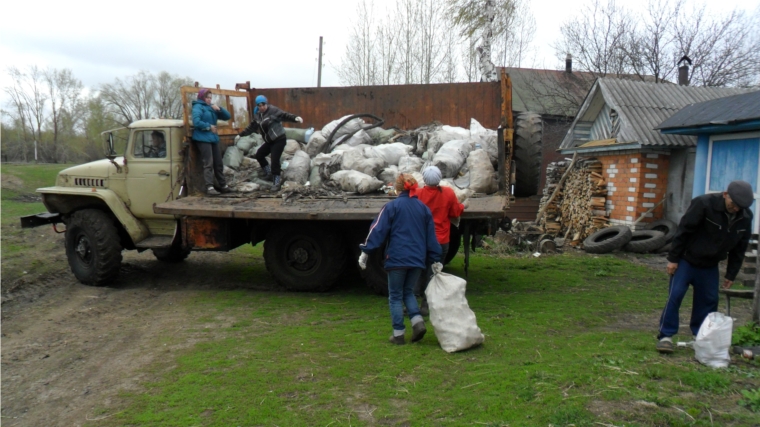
x=643, y=241
x=607, y=240
x=93, y=247
x=528, y=138
x=305, y=257
x=666, y=226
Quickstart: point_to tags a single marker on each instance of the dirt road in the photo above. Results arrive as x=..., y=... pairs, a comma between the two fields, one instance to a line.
x=68, y=350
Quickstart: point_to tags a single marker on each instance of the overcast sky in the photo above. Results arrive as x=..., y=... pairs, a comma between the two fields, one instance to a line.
x=270, y=43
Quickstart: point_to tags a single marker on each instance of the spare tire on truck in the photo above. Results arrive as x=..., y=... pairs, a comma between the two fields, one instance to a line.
x=528, y=138
x=607, y=240
x=643, y=241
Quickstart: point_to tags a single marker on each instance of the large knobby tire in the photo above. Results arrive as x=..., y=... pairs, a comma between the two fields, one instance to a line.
x=644, y=241
x=665, y=226
x=607, y=240
x=93, y=247
x=375, y=275
x=528, y=138
x=305, y=258
x=455, y=241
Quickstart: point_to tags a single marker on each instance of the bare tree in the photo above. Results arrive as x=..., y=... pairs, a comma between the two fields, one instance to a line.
x=515, y=43
x=359, y=63
x=28, y=100
x=168, y=96
x=64, y=92
x=143, y=96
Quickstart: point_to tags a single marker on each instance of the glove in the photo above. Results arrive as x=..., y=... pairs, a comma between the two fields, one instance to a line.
x=363, y=260
x=299, y=119
x=466, y=203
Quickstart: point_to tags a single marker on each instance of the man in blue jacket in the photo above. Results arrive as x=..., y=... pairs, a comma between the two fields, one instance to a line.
x=714, y=227
x=407, y=225
x=206, y=138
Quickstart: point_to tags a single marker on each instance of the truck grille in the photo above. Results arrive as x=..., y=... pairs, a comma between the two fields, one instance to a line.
x=90, y=182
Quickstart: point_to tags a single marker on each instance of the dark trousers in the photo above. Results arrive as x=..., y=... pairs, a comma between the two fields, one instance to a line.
x=424, y=280
x=212, y=163
x=275, y=148
x=705, y=300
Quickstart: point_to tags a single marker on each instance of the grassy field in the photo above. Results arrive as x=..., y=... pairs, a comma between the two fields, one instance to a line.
x=569, y=341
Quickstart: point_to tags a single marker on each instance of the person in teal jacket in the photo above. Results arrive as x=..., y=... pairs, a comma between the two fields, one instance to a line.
x=206, y=138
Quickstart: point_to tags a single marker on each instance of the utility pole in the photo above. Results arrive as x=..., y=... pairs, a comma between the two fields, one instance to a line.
x=319, y=65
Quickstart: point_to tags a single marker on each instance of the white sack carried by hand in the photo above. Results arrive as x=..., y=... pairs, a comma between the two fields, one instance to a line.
x=390, y=153
x=298, y=168
x=455, y=325
x=356, y=182
x=450, y=158
x=713, y=340
x=482, y=176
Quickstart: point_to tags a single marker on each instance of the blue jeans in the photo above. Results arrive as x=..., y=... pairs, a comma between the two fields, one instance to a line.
x=705, y=298
x=401, y=288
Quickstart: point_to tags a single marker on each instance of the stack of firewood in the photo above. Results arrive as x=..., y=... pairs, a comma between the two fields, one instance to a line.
x=578, y=209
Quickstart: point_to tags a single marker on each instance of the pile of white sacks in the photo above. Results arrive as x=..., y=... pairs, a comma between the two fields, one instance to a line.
x=363, y=161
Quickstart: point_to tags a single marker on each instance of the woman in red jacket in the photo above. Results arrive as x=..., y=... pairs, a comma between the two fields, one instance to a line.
x=444, y=205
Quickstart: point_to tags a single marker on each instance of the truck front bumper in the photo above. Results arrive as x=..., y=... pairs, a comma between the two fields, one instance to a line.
x=31, y=221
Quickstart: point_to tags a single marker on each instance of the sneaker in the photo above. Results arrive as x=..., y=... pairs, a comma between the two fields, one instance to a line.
x=418, y=331
x=665, y=345
x=226, y=189
x=398, y=340
x=211, y=191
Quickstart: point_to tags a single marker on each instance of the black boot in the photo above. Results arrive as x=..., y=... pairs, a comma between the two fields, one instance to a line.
x=277, y=184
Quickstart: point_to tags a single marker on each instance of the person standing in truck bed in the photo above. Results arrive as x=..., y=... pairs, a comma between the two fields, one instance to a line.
x=206, y=138
x=267, y=121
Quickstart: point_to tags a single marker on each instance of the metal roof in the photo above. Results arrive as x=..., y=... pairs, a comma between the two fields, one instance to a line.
x=727, y=110
x=642, y=106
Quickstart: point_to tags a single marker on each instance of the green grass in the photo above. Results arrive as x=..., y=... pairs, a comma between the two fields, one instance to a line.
x=564, y=346
x=25, y=179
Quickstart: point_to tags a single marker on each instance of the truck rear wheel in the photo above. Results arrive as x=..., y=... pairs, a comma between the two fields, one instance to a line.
x=93, y=247
x=305, y=258
x=375, y=274
x=528, y=139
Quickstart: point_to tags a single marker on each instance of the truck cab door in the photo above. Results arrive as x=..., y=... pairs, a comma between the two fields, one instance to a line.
x=151, y=175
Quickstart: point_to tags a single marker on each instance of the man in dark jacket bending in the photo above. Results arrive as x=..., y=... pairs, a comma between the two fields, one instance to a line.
x=715, y=226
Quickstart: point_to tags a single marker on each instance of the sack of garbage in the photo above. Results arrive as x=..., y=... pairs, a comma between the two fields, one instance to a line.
x=247, y=187
x=316, y=144
x=351, y=156
x=390, y=153
x=455, y=325
x=325, y=158
x=486, y=138
x=380, y=135
x=461, y=193
x=232, y=157
x=357, y=182
x=482, y=176
x=298, y=168
x=314, y=179
x=714, y=340
x=326, y=169
x=371, y=167
x=245, y=143
x=389, y=174
x=352, y=126
x=445, y=134
x=450, y=158
x=296, y=134
x=409, y=164
x=291, y=146
x=359, y=138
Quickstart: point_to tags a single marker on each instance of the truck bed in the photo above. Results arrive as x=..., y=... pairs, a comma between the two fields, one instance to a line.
x=320, y=208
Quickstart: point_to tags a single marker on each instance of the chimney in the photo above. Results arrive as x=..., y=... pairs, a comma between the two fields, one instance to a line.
x=569, y=63
x=683, y=71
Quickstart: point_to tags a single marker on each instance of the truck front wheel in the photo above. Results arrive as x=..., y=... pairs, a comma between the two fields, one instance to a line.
x=93, y=247
x=306, y=258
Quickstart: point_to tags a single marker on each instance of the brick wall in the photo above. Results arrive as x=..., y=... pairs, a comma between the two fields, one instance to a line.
x=635, y=183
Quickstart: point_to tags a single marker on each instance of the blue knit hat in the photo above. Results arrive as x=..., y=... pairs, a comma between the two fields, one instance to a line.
x=260, y=99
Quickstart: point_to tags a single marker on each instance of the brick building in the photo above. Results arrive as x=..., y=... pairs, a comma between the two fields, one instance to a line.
x=643, y=168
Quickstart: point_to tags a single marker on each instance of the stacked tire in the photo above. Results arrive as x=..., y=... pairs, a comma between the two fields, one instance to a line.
x=655, y=237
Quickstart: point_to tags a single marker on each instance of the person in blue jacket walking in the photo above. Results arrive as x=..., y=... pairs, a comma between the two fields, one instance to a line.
x=206, y=138
x=407, y=225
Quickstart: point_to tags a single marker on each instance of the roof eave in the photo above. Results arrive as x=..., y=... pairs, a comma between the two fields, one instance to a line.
x=601, y=148
x=710, y=129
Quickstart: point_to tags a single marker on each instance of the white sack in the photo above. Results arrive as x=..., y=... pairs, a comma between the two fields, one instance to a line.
x=295, y=133
x=314, y=179
x=358, y=138
x=450, y=158
x=351, y=157
x=418, y=177
x=291, y=146
x=322, y=158
x=353, y=125
x=486, y=138
x=245, y=143
x=232, y=157
x=316, y=144
x=389, y=174
x=390, y=153
x=461, y=193
x=353, y=181
x=371, y=167
x=380, y=135
x=482, y=176
x=409, y=164
x=713, y=340
x=455, y=325
x=247, y=187
x=298, y=168
x=445, y=134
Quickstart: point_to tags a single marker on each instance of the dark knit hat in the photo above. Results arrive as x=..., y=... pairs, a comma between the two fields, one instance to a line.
x=741, y=193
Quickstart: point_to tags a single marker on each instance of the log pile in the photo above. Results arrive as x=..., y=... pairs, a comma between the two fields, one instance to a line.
x=578, y=209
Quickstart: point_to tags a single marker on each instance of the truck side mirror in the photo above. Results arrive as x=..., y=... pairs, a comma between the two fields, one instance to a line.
x=110, y=151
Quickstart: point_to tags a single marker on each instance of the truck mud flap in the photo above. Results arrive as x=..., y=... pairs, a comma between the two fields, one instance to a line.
x=31, y=221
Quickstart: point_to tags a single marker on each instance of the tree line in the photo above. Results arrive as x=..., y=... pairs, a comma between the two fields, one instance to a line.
x=51, y=117
x=420, y=41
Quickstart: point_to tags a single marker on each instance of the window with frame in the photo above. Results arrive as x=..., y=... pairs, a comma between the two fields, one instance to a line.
x=150, y=144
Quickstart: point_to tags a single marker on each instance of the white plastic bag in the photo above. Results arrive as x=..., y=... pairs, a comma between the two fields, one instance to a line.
x=390, y=153
x=450, y=158
x=482, y=176
x=713, y=340
x=298, y=168
x=454, y=323
x=357, y=182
